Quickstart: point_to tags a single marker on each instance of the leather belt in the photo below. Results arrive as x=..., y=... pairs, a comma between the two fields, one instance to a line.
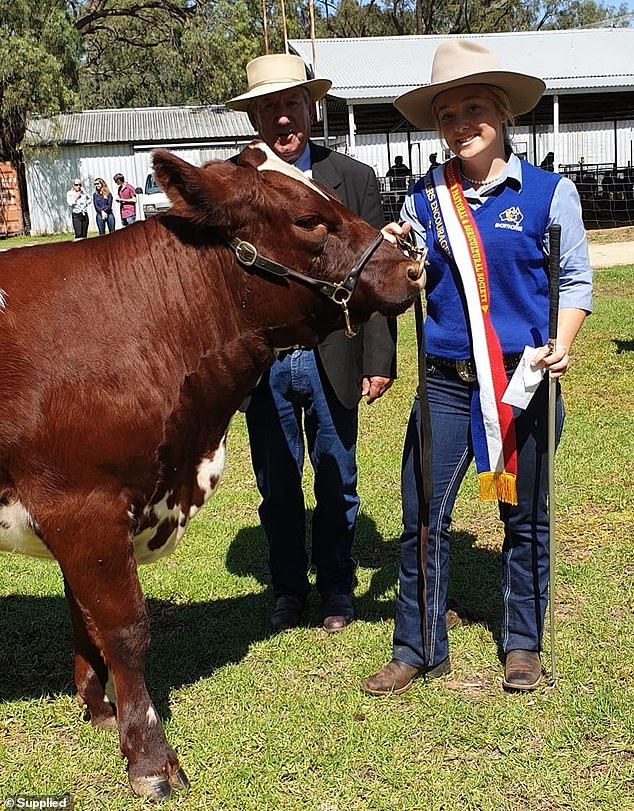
x=466, y=369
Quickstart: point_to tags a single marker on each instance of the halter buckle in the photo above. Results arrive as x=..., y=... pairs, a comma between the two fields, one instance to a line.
x=247, y=253
x=341, y=295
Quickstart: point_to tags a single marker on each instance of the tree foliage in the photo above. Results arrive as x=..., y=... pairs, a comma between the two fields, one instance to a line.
x=133, y=54
x=39, y=65
x=396, y=17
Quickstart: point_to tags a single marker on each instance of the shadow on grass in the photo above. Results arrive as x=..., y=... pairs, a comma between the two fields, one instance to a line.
x=190, y=642
x=623, y=346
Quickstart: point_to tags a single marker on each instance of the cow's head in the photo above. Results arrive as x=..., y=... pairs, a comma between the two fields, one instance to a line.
x=296, y=224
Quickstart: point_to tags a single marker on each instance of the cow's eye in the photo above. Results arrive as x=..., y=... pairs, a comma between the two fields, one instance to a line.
x=308, y=223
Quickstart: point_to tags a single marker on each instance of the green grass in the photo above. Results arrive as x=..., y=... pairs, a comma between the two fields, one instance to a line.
x=278, y=722
x=22, y=241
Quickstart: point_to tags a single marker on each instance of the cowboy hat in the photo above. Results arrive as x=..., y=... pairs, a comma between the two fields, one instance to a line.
x=461, y=62
x=274, y=72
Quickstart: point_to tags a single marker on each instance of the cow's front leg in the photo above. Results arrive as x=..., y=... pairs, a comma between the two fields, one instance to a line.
x=101, y=573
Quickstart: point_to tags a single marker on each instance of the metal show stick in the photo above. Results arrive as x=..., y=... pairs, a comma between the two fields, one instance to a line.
x=554, y=235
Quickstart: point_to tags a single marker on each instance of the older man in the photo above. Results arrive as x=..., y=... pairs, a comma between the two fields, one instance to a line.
x=312, y=392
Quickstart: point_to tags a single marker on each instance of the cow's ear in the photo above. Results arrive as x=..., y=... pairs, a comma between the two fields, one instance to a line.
x=201, y=190
x=255, y=154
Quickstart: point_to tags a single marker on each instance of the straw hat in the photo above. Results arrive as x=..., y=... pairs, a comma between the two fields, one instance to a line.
x=275, y=72
x=461, y=62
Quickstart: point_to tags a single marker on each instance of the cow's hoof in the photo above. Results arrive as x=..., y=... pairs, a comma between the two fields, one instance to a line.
x=178, y=780
x=158, y=789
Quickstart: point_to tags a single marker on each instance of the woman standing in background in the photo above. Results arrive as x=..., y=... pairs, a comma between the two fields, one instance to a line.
x=102, y=201
x=78, y=202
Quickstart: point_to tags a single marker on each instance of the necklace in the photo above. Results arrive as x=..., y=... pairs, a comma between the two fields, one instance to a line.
x=480, y=182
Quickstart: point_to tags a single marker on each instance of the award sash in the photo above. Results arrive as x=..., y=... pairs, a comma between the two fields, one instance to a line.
x=492, y=426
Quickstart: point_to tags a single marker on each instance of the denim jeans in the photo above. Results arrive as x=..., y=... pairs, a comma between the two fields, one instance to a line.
x=525, y=551
x=293, y=398
x=101, y=223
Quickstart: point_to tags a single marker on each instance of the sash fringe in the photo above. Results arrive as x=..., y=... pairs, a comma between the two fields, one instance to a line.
x=498, y=487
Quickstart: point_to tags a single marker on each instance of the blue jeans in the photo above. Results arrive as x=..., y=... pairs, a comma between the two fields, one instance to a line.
x=101, y=223
x=293, y=398
x=525, y=552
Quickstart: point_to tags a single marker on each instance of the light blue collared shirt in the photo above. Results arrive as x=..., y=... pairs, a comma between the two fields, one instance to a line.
x=575, y=278
x=303, y=163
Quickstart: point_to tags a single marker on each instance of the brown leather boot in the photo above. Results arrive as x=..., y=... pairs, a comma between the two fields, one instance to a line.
x=397, y=677
x=522, y=670
x=336, y=612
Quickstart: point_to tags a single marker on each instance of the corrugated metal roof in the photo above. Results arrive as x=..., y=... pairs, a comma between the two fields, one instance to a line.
x=145, y=125
x=578, y=60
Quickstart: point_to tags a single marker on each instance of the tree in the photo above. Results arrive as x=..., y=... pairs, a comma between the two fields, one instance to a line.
x=218, y=41
x=132, y=52
x=39, y=66
x=461, y=16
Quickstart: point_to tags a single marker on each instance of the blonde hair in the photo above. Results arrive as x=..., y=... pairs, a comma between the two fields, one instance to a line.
x=502, y=106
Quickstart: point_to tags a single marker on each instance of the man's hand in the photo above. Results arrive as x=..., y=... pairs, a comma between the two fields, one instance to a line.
x=375, y=387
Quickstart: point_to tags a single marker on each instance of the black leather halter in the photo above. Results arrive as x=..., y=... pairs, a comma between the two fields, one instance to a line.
x=340, y=292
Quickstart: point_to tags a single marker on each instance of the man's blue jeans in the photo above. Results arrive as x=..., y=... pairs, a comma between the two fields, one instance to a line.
x=525, y=553
x=293, y=398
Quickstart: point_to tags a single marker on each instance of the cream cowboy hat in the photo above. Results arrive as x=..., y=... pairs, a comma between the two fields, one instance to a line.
x=460, y=62
x=275, y=72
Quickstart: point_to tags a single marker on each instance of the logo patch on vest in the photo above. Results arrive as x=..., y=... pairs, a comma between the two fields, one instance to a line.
x=511, y=219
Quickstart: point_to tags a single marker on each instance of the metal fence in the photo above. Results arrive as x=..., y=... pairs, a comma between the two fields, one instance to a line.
x=606, y=193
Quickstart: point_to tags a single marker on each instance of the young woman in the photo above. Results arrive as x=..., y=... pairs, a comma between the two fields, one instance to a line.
x=484, y=217
x=102, y=201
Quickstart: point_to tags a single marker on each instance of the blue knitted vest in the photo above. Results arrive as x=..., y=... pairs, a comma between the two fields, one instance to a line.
x=512, y=225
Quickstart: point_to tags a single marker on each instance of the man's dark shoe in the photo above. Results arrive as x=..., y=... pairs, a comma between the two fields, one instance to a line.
x=397, y=677
x=522, y=670
x=287, y=612
x=336, y=612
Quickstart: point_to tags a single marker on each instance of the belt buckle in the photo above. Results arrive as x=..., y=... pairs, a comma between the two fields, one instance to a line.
x=466, y=371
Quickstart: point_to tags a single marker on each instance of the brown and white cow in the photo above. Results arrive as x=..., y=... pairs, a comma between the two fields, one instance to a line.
x=122, y=361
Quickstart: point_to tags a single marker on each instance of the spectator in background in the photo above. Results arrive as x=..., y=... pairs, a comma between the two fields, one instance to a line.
x=102, y=201
x=548, y=164
x=78, y=201
x=399, y=172
x=126, y=197
x=433, y=161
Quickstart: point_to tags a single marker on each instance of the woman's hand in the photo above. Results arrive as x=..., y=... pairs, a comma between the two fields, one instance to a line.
x=556, y=363
x=393, y=230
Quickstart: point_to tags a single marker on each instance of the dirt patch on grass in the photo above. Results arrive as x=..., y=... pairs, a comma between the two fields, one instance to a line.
x=604, y=235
